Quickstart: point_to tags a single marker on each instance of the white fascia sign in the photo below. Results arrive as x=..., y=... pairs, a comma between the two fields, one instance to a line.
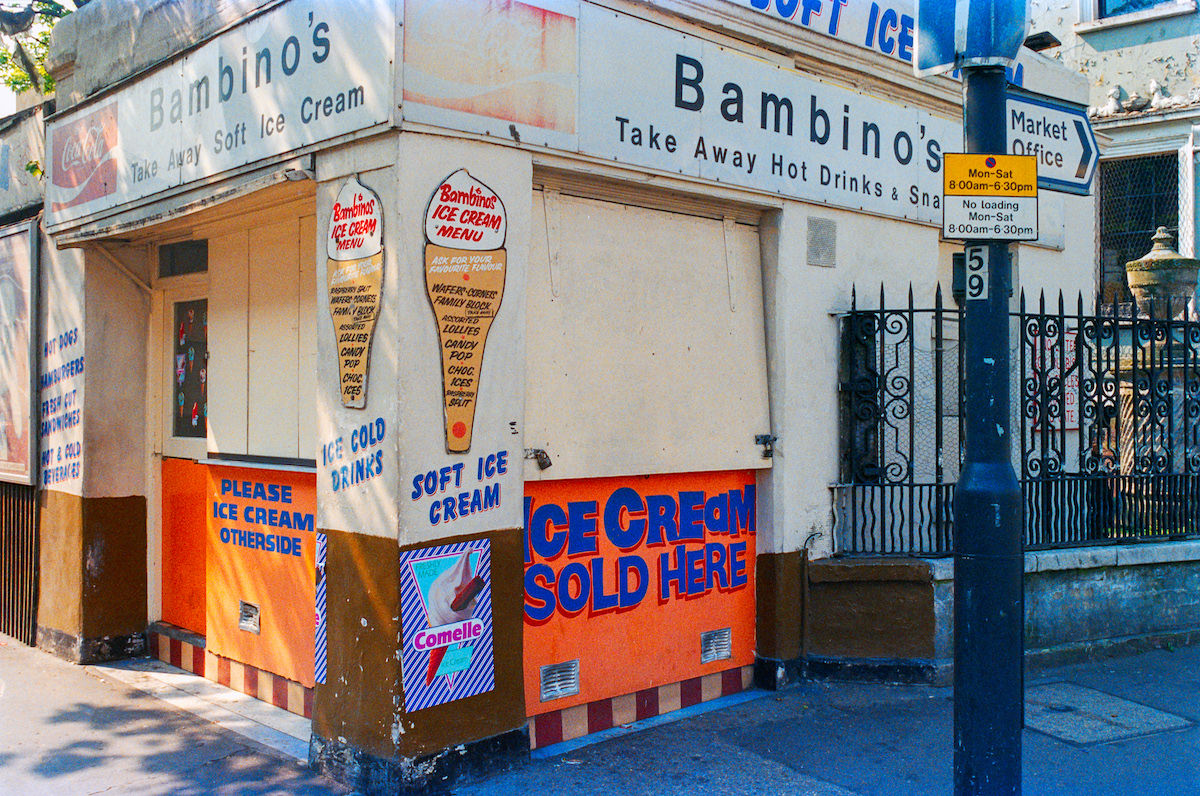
x=303, y=72
x=711, y=112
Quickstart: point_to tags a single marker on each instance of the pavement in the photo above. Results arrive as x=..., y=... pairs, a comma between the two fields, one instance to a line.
x=1128, y=725
x=140, y=727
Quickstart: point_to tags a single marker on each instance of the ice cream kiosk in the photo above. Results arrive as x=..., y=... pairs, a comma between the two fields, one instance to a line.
x=463, y=375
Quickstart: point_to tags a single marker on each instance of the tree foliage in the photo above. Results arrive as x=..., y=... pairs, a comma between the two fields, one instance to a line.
x=25, y=33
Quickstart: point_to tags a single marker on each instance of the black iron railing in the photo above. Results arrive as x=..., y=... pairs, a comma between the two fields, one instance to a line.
x=18, y=562
x=1106, y=404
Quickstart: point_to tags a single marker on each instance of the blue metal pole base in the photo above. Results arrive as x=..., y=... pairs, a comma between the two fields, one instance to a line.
x=988, y=628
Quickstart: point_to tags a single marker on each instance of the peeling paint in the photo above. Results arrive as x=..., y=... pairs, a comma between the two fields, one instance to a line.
x=94, y=563
x=1126, y=59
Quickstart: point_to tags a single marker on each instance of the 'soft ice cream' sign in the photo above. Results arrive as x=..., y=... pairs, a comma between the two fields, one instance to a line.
x=465, y=264
x=446, y=615
x=354, y=275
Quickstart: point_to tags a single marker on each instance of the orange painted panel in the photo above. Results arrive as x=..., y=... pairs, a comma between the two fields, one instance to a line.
x=184, y=493
x=261, y=550
x=626, y=573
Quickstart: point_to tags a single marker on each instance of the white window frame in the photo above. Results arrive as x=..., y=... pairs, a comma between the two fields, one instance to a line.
x=169, y=291
x=1090, y=19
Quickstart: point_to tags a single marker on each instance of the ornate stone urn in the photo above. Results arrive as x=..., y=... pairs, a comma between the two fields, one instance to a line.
x=1163, y=281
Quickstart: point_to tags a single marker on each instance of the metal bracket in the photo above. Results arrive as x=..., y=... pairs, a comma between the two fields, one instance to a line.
x=768, y=443
x=540, y=456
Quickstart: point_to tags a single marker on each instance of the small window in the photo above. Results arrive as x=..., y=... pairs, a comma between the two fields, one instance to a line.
x=186, y=257
x=1116, y=8
x=189, y=402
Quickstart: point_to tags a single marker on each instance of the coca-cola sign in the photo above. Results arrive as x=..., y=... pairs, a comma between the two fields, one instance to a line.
x=83, y=164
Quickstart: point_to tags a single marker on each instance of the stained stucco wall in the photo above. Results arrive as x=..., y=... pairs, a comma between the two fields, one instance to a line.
x=1126, y=56
x=107, y=41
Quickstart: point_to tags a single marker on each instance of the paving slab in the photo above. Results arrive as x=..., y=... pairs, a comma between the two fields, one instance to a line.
x=1082, y=715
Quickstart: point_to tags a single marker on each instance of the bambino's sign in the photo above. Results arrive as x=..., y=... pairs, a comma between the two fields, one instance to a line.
x=300, y=73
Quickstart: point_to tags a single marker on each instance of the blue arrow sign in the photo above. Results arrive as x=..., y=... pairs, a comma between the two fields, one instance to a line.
x=1058, y=134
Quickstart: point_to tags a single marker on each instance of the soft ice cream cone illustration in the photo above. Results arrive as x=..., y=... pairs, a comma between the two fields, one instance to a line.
x=354, y=276
x=451, y=599
x=465, y=266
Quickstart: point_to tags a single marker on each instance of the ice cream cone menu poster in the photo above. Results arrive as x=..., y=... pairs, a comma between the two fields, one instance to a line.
x=465, y=266
x=354, y=275
x=446, y=616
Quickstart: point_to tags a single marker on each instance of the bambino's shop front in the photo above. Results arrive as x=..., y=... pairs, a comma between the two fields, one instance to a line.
x=445, y=441
x=434, y=384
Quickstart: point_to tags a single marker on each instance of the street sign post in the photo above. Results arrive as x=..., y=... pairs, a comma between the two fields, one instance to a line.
x=989, y=563
x=1058, y=135
x=982, y=36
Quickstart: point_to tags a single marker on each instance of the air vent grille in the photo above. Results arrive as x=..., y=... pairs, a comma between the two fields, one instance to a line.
x=248, y=617
x=822, y=242
x=716, y=645
x=560, y=680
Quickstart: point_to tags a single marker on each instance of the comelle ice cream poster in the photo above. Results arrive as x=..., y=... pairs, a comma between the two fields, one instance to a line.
x=446, y=614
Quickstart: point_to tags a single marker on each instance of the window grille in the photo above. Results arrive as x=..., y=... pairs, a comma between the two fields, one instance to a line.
x=1137, y=195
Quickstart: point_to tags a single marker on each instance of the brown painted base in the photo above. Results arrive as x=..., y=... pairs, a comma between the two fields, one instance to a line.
x=433, y=773
x=779, y=619
x=77, y=649
x=361, y=701
x=773, y=674
x=880, y=670
x=880, y=609
x=91, y=576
